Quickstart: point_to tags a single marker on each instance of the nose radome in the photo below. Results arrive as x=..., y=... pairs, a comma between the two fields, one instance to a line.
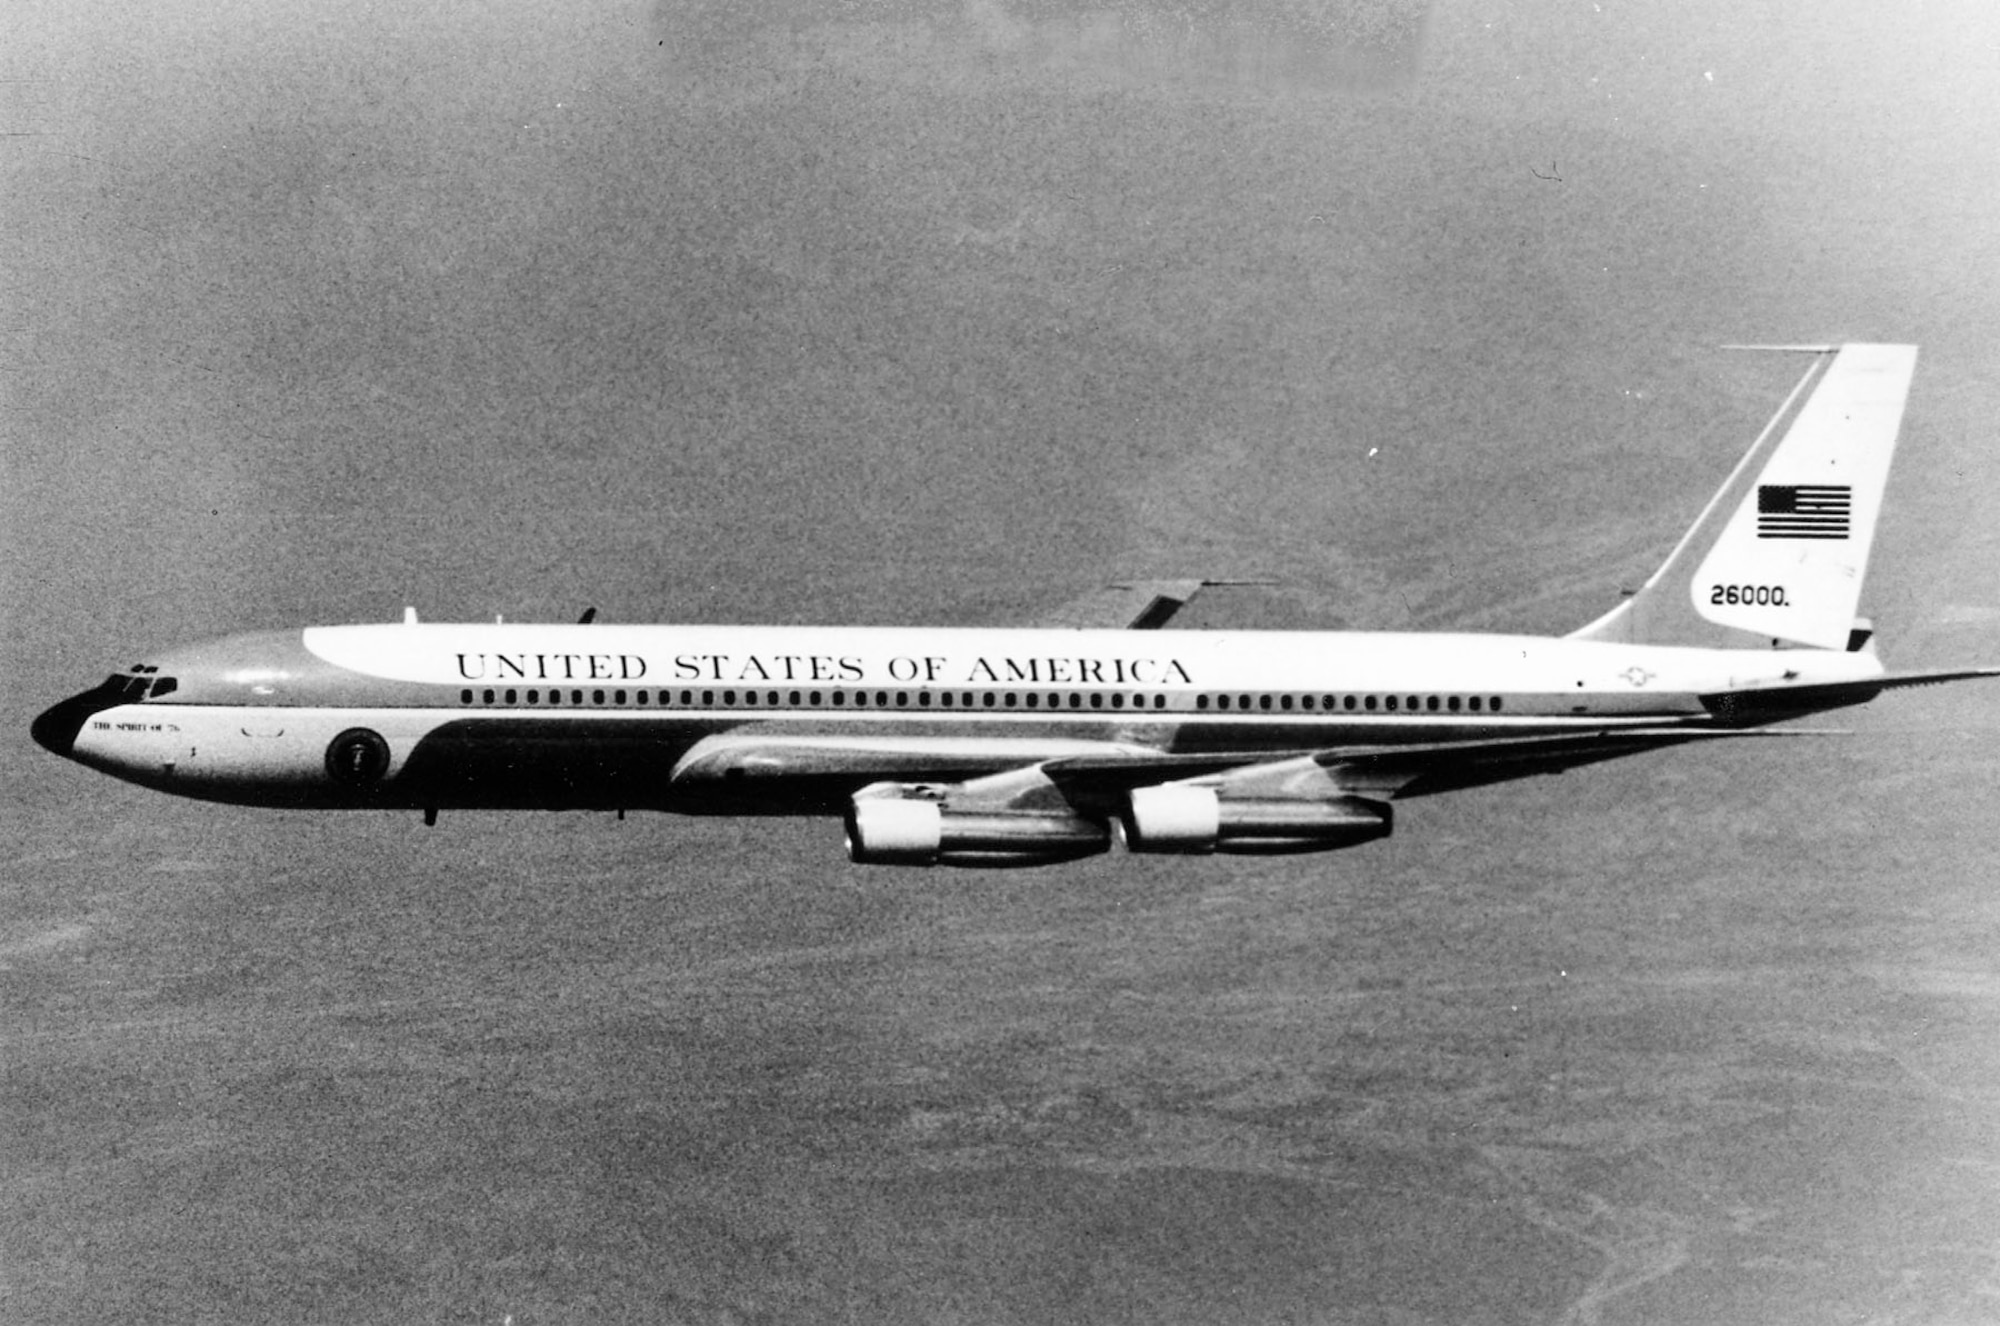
x=55, y=728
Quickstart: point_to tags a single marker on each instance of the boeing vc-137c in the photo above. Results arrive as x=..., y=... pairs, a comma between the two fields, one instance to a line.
x=1021, y=747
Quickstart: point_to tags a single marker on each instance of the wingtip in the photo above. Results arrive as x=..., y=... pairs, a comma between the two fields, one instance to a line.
x=1782, y=349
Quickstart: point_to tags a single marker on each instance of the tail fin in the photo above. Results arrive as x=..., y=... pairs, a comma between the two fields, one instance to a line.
x=1778, y=555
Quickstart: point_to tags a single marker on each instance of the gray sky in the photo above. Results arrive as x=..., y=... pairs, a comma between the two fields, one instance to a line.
x=315, y=310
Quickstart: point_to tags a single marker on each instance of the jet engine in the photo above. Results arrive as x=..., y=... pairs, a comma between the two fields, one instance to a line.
x=1179, y=817
x=904, y=832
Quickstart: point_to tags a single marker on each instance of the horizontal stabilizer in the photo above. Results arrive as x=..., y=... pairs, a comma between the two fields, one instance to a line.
x=1766, y=704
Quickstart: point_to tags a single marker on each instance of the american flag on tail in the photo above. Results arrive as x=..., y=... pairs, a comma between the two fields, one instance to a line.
x=1803, y=510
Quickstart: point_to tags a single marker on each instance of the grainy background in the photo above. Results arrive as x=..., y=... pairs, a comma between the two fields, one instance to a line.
x=903, y=312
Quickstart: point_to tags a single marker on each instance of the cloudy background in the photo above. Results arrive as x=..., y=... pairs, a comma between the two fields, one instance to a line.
x=899, y=312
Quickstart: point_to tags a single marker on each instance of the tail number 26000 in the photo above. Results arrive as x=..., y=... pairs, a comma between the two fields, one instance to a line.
x=1761, y=595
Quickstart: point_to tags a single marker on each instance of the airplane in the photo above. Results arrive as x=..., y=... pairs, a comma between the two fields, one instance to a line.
x=1016, y=747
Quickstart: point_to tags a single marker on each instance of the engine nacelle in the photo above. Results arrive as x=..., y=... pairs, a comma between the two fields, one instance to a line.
x=1183, y=818
x=897, y=832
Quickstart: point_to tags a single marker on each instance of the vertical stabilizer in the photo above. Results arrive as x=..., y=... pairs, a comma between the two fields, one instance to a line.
x=1779, y=554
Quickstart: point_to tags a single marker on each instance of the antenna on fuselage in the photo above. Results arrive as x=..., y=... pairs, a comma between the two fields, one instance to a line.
x=589, y=616
x=409, y=615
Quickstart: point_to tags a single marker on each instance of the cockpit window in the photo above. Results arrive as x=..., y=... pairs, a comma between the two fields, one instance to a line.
x=121, y=688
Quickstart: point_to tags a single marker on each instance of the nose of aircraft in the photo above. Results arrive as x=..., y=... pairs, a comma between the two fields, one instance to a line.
x=55, y=728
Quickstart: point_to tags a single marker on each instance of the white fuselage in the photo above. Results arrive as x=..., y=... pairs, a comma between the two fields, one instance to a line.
x=605, y=715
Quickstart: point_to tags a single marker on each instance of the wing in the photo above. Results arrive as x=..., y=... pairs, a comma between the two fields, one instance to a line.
x=748, y=770
x=1013, y=801
x=1131, y=605
x=1383, y=772
x=1450, y=766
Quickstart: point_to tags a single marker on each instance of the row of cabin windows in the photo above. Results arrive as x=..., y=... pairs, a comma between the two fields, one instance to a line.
x=1369, y=703
x=859, y=699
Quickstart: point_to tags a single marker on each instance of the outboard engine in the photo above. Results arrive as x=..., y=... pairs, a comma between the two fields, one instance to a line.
x=1180, y=817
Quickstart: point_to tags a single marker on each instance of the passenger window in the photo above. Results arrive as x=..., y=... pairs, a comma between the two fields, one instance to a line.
x=465, y=697
x=512, y=696
x=1431, y=703
x=1474, y=702
x=840, y=697
x=1369, y=704
x=1075, y=700
x=1494, y=704
x=1452, y=704
x=1096, y=700
x=1389, y=703
x=487, y=697
x=597, y=697
x=1263, y=702
x=1347, y=702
